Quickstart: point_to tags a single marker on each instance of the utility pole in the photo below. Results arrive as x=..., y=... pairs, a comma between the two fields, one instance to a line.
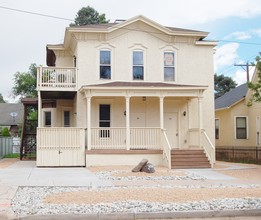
x=247, y=65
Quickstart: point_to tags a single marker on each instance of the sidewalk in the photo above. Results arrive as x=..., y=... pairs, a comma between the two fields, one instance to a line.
x=15, y=173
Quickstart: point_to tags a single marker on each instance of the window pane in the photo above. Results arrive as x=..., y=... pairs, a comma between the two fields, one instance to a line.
x=241, y=133
x=168, y=59
x=66, y=119
x=48, y=119
x=105, y=72
x=105, y=57
x=169, y=73
x=138, y=72
x=104, y=124
x=241, y=122
x=104, y=112
x=137, y=58
x=217, y=123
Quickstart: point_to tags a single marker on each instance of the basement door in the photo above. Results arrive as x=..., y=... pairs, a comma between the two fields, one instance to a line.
x=171, y=126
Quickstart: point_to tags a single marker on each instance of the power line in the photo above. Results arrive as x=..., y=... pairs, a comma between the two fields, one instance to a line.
x=240, y=42
x=34, y=13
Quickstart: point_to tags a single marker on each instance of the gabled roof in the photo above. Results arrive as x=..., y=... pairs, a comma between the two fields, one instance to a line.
x=6, y=110
x=232, y=97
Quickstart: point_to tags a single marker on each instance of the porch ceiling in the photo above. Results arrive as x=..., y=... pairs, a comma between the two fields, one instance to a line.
x=57, y=95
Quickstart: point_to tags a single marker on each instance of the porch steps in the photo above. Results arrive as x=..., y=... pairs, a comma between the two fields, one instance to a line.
x=187, y=159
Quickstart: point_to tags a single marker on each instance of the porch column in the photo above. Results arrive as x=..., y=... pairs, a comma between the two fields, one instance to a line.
x=161, y=112
x=127, y=100
x=88, y=107
x=200, y=118
x=39, y=109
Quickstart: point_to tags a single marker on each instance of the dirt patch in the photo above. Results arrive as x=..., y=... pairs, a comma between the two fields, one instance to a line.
x=6, y=162
x=244, y=174
x=126, y=171
x=151, y=194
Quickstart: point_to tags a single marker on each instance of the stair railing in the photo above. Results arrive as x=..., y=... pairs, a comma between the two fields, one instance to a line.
x=166, y=147
x=208, y=147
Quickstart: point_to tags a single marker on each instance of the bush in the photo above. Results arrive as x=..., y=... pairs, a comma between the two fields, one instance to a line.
x=5, y=132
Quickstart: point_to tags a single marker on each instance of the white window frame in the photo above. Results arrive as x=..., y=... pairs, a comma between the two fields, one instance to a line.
x=44, y=121
x=138, y=65
x=172, y=66
x=67, y=109
x=105, y=50
x=235, y=127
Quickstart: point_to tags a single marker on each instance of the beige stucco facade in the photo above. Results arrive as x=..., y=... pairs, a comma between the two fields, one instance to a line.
x=178, y=106
x=227, y=123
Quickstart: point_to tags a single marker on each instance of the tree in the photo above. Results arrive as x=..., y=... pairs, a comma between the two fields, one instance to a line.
x=256, y=87
x=223, y=84
x=88, y=15
x=25, y=83
x=2, y=98
x=5, y=132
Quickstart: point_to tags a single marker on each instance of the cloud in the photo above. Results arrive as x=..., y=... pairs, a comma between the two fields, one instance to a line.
x=239, y=35
x=240, y=76
x=226, y=55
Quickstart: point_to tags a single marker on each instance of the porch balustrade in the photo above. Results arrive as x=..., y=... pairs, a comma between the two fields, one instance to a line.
x=56, y=78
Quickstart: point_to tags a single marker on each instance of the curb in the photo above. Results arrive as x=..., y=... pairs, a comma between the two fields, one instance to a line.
x=148, y=215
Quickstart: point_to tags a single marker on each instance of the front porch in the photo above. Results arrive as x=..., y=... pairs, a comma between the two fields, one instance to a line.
x=109, y=147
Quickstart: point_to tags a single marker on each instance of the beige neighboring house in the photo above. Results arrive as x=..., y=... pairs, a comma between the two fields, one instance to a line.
x=116, y=93
x=236, y=124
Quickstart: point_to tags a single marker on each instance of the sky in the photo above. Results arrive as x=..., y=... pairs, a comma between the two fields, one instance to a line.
x=235, y=24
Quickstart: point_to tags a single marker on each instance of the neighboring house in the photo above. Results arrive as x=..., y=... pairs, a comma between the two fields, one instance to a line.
x=126, y=91
x=236, y=124
x=11, y=116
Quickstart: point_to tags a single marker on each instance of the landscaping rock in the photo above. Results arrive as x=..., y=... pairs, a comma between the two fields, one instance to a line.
x=140, y=165
x=148, y=168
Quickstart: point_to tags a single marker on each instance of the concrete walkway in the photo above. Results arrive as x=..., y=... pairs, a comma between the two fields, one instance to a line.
x=25, y=173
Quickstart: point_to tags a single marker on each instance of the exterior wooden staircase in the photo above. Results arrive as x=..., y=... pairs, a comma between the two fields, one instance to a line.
x=190, y=158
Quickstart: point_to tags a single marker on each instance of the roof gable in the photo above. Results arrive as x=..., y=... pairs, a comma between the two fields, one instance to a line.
x=231, y=98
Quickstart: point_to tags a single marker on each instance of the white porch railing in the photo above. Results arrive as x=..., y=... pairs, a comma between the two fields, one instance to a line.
x=145, y=138
x=56, y=78
x=115, y=138
x=166, y=148
x=208, y=147
x=60, y=137
x=108, y=138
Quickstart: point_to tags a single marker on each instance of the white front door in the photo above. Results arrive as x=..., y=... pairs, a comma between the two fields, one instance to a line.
x=171, y=126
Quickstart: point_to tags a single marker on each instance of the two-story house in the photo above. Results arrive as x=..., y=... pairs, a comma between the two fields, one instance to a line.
x=119, y=92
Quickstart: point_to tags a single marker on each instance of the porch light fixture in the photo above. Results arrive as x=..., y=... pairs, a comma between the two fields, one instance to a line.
x=124, y=113
x=184, y=113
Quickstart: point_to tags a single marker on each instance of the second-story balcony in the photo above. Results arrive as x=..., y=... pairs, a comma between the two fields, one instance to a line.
x=56, y=78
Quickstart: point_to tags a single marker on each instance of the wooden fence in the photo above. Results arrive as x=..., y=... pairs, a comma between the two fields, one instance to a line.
x=239, y=154
x=6, y=146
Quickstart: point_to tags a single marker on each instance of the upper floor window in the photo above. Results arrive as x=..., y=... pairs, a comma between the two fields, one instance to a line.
x=105, y=64
x=241, y=127
x=138, y=69
x=66, y=118
x=169, y=66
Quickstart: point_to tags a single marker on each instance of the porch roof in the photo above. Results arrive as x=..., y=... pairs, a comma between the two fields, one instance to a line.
x=121, y=84
x=120, y=88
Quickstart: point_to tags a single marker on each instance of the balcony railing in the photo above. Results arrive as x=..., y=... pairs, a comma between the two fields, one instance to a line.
x=56, y=78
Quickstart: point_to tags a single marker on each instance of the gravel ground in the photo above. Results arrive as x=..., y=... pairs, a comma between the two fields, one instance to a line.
x=146, y=198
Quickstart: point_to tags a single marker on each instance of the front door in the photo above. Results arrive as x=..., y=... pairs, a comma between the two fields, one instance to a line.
x=171, y=126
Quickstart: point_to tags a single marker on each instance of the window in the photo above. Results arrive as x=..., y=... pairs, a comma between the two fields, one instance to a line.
x=241, y=128
x=217, y=128
x=105, y=120
x=169, y=68
x=138, y=70
x=47, y=119
x=105, y=64
x=66, y=118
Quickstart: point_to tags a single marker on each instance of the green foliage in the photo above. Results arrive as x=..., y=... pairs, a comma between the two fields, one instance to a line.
x=33, y=114
x=256, y=87
x=25, y=83
x=223, y=84
x=12, y=155
x=5, y=132
x=2, y=99
x=88, y=15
